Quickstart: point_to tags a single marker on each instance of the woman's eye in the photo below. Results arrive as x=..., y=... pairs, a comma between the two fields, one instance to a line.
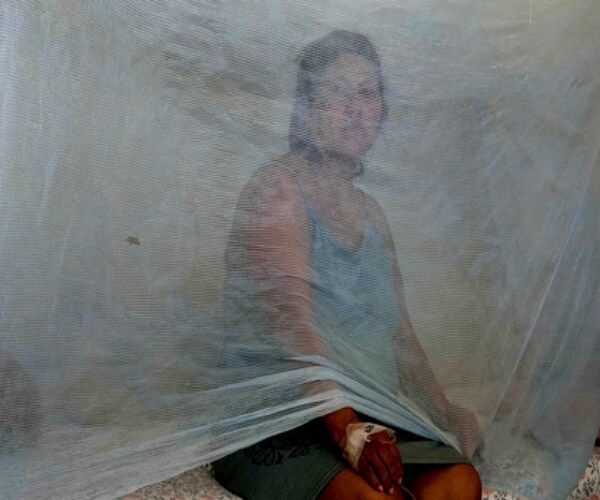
x=340, y=93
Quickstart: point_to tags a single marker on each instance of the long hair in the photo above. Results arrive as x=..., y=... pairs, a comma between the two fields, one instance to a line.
x=314, y=60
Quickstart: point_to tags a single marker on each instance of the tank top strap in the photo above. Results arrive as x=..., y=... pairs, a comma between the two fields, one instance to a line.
x=304, y=198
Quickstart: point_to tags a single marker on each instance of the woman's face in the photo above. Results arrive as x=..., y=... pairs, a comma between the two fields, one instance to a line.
x=347, y=110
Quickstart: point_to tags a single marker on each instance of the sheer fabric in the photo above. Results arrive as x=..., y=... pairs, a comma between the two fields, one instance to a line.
x=128, y=131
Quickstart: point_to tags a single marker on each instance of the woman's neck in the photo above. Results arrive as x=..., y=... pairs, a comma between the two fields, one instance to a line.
x=335, y=166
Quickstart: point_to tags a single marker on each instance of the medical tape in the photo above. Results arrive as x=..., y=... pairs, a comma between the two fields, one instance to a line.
x=356, y=437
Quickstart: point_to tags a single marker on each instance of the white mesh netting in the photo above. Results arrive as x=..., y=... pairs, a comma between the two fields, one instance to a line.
x=132, y=349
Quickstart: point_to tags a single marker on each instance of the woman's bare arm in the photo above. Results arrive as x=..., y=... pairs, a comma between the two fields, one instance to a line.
x=274, y=230
x=412, y=361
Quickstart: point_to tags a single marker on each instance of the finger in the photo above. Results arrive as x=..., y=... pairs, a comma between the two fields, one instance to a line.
x=366, y=471
x=391, y=457
x=373, y=456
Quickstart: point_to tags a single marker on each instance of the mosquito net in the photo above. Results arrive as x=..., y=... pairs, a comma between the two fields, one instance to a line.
x=176, y=285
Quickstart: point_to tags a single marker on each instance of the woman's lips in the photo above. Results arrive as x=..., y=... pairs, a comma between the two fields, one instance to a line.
x=354, y=128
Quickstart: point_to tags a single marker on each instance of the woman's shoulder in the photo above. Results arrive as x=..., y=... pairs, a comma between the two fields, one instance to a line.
x=278, y=181
x=282, y=167
x=279, y=177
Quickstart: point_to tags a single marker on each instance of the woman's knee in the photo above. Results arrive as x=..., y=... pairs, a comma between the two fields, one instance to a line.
x=453, y=482
x=348, y=485
x=465, y=482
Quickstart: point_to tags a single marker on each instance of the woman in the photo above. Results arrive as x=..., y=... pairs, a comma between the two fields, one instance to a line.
x=311, y=260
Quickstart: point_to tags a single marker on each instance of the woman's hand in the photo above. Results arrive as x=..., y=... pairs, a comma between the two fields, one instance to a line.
x=380, y=463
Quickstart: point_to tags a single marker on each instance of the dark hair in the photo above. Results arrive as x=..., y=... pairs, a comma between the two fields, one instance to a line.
x=314, y=60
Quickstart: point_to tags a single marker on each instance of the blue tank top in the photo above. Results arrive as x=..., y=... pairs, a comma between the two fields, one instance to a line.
x=354, y=310
x=355, y=306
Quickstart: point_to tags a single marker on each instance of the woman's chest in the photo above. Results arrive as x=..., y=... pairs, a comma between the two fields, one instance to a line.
x=352, y=287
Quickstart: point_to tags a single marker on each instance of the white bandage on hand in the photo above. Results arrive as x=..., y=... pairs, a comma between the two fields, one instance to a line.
x=356, y=437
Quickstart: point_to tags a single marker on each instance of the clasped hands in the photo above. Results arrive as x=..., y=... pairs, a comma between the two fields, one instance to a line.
x=371, y=450
x=378, y=460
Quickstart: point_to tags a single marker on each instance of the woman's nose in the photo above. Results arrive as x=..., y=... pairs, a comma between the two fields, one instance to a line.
x=352, y=104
